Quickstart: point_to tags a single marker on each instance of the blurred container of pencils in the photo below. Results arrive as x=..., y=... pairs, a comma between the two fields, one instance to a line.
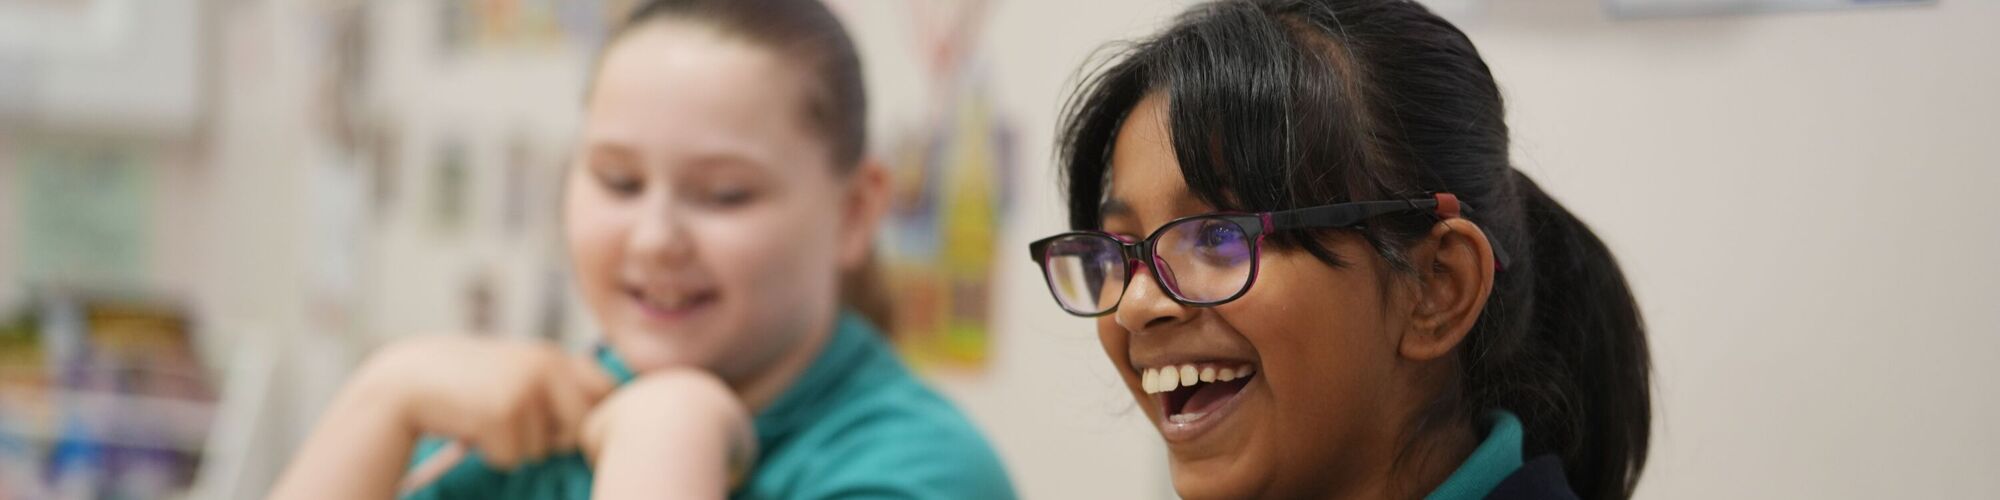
x=100, y=397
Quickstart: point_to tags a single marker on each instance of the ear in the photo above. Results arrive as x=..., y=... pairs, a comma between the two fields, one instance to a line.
x=1455, y=274
x=865, y=203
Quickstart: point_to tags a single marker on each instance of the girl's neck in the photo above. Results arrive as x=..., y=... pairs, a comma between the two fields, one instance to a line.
x=1434, y=459
x=1410, y=469
x=1412, y=475
x=761, y=389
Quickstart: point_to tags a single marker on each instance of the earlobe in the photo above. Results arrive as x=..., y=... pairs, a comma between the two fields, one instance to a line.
x=1455, y=276
x=866, y=202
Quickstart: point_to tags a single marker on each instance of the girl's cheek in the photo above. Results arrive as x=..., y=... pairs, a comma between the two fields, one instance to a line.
x=1115, y=340
x=595, y=231
x=1110, y=333
x=593, y=224
x=595, y=242
x=746, y=252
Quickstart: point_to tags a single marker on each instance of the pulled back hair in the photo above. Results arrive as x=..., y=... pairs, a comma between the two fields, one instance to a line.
x=1284, y=104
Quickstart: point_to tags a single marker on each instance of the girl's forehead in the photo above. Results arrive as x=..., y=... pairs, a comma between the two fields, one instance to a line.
x=677, y=92
x=685, y=84
x=1146, y=191
x=1144, y=180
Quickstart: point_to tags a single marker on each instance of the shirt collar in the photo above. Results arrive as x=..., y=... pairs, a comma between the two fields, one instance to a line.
x=1495, y=459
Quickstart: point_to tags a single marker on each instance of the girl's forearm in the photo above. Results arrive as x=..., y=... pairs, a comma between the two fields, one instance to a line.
x=357, y=451
x=671, y=460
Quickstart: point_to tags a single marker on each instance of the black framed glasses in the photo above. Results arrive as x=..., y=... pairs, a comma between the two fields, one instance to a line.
x=1202, y=260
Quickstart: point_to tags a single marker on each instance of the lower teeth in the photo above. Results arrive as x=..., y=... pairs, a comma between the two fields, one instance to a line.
x=1184, y=418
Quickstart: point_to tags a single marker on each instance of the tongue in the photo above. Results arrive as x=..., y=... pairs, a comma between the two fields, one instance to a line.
x=1209, y=396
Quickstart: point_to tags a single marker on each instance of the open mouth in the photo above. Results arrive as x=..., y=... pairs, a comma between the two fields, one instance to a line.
x=1192, y=393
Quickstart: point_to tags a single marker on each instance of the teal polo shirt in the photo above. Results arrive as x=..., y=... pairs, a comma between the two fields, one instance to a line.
x=1497, y=457
x=856, y=423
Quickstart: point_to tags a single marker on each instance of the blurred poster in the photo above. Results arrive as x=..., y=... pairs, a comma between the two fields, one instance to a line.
x=552, y=316
x=952, y=171
x=520, y=163
x=482, y=304
x=340, y=181
x=83, y=209
x=451, y=189
x=527, y=25
x=1668, y=8
x=384, y=150
x=337, y=225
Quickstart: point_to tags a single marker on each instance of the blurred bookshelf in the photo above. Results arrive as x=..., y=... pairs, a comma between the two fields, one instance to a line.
x=101, y=397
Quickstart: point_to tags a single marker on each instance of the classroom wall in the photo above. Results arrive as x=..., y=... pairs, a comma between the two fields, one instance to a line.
x=1797, y=199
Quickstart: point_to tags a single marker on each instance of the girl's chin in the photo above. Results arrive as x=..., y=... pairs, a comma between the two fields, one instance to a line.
x=647, y=354
x=1195, y=487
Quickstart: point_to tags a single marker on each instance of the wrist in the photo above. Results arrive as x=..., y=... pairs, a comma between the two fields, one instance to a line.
x=700, y=444
x=685, y=410
x=686, y=401
x=379, y=395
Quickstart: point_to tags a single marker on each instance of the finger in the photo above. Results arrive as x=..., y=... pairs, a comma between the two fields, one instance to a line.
x=568, y=405
x=534, y=429
x=591, y=379
x=499, y=446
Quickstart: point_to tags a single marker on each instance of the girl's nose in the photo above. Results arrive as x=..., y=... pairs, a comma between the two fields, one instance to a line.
x=1146, y=305
x=660, y=236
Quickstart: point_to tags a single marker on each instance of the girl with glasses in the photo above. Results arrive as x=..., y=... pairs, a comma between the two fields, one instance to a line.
x=718, y=205
x=1309, y=258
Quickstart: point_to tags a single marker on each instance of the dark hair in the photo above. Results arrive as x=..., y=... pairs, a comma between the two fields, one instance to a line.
x=1282, y=104
x=808, y=33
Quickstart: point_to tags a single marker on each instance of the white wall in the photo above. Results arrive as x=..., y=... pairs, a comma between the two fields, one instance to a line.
x=1801, y=203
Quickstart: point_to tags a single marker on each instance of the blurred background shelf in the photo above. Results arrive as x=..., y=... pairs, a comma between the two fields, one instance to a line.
x=71, y=65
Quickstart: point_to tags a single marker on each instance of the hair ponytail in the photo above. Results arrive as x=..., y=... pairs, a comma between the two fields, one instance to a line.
x=1599, y=416
x=865, y=290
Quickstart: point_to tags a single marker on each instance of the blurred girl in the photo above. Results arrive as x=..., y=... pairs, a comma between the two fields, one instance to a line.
x=1318, y=274
x=718, y=199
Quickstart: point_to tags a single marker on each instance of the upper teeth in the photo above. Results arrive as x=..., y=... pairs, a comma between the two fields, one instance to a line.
x=1167, y=378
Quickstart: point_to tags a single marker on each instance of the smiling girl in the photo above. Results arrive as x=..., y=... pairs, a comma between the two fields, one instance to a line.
x=718, y=205
x=1319, y=276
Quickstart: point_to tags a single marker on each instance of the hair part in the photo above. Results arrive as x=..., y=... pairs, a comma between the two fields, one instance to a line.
x=1282, y=104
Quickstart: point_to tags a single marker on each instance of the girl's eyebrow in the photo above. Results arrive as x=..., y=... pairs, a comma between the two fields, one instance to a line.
x=610, y=151
x=620, y=152
x=728, y=160
x=1113, y=207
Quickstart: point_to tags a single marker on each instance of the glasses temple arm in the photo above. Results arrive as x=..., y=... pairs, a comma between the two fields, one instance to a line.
x=1344, y=214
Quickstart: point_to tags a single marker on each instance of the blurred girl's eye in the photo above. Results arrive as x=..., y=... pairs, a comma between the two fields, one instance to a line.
x=621, y=185
x=728, y=196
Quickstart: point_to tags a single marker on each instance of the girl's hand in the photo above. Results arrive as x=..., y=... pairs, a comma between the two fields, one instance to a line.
x=675, y=430
x=512, y=401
